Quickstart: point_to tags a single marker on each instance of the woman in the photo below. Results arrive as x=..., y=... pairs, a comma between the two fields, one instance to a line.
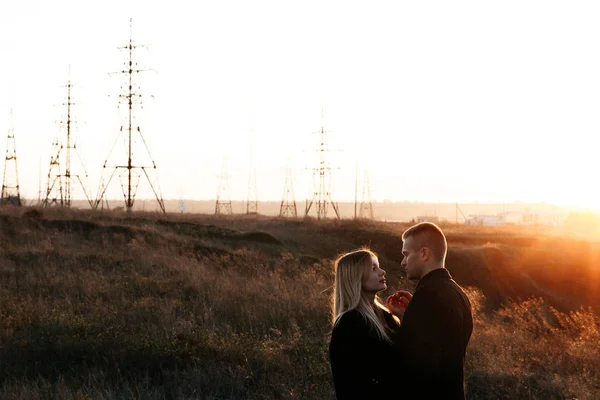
x=362, y=356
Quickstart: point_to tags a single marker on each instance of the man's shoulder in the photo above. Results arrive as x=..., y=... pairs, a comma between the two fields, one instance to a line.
x=440, y=284
x=430, y=294
x=440, y=291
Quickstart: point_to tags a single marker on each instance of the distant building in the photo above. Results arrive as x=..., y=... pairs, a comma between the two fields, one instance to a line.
x=485, y=220
x=426, y=218
x=536, y=218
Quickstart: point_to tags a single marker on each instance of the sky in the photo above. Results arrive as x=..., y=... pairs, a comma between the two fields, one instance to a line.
x=438, y=101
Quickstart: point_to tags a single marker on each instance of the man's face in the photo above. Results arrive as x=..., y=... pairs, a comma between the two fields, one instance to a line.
x=412, y=262
x=374, y=279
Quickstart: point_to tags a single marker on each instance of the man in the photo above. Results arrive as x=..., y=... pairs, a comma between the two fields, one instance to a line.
x=437, y=323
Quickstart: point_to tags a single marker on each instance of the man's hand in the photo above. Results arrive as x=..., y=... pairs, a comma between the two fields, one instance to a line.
x=398, y=302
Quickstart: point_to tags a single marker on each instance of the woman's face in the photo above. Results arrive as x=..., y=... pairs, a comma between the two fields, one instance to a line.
x=374, y=279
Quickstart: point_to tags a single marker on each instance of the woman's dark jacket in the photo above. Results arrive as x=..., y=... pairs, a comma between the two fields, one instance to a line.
x=362, y=364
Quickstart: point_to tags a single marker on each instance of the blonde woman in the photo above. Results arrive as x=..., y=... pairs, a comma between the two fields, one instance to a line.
x=361, y=351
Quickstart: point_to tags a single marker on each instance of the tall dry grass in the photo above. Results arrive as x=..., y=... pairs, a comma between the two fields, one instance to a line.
x=529, y=350
x=107, y=307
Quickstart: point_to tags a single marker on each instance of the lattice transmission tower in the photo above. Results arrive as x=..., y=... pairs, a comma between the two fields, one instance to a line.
x=63, y=173
x=366, y=205
x=223, y=202
x=10, y=184
x=288, y=202
x=321, y=196
x=131, y=173
x=54, y=189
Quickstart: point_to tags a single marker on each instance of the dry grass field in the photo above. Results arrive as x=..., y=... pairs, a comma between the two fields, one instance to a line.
x=105, y=306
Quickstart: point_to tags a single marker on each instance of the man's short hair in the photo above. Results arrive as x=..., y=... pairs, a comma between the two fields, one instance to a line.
x=428, y=234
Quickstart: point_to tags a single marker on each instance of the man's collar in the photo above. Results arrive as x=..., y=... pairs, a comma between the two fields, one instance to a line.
x=435, y=275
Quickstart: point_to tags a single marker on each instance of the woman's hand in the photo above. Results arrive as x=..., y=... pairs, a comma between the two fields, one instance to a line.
x=398, y=302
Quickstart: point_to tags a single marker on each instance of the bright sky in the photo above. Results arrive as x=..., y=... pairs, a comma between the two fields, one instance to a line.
x=441, y=100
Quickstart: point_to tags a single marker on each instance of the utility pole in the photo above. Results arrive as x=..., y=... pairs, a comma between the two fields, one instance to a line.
x=252, y=200
x=131, y=174
x=458, y=210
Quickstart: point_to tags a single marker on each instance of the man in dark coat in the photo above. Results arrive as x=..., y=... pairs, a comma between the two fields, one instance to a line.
x=437, y=323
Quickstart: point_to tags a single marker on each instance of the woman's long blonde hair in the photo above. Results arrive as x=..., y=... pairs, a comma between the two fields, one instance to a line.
x=350, y=271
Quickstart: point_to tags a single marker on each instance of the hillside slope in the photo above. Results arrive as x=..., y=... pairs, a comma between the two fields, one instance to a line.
x=105, y=306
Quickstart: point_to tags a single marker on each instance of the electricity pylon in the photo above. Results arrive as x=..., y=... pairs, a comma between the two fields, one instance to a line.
x=322, y=193
x=10, y=184
x=62, y=177
x=130, y=174
x=54, y=188
x=223, y=202
x=288, y=202
x=366, y=206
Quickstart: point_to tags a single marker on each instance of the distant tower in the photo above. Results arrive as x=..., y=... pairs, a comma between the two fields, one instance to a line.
x=104, y=203
x=39, y=202
x=366, y=206
x=288, y=202
x=10, y=184
x=61, y=178
x=223, y=203
x=131, y=174
x=458, y=210
x=54, y=189
x=322, y=194
x=252, y=202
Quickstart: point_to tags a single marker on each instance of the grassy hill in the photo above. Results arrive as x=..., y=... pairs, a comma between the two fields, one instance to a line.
x=105, y=306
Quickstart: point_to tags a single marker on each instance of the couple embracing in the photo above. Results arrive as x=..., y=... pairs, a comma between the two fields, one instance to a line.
x=411, y=347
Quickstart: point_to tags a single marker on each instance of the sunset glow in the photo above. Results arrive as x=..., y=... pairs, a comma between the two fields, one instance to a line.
x=441, y=101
